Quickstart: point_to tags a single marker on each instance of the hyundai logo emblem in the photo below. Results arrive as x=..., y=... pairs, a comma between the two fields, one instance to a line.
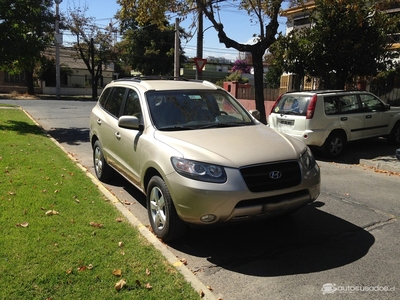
x=275, y=175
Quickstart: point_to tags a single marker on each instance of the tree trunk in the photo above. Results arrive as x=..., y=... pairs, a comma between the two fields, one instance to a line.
x=257, y=57
x=29, y=82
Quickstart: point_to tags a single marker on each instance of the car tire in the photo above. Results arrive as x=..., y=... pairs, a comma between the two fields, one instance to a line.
x=163, y=217
x=394, y=137
x=102, y=169
x=334, y=145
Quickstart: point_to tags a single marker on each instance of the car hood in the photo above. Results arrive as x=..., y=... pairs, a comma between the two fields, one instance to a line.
x=233, y=146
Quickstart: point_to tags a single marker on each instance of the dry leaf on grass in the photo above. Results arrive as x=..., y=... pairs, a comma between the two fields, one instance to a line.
x=120, y=284
x=148, y=272
x=24, y=224
x=117, y=272
x=52, y=213
x=94, y=224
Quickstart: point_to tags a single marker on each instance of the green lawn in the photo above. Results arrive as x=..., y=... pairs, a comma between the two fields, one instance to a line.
x=60, y=237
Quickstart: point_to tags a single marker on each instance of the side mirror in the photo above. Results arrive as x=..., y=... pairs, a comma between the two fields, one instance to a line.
x=129, y=122
x=386, y=107
x=255, y=113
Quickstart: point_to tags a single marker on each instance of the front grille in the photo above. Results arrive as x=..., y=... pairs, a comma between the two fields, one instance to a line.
x=259, y=178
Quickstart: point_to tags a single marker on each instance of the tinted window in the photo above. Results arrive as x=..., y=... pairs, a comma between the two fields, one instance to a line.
x=114, y=101
x=104, y=96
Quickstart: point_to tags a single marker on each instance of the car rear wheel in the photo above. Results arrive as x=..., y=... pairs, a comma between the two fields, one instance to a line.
x=163, y=217
x=334, y=144
x=394, y=137
x=102, y=169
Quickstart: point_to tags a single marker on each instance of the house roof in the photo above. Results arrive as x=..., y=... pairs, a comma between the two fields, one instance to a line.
x=71, y=58
x=300, y=8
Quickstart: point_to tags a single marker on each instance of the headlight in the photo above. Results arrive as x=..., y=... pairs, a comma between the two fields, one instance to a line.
x=199, y=170
x=307, y=159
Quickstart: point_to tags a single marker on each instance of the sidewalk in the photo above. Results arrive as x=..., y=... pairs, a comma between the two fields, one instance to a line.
x=386, y=163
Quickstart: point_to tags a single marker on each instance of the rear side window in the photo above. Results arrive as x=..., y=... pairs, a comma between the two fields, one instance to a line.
x=341, y=104
x=292, y=105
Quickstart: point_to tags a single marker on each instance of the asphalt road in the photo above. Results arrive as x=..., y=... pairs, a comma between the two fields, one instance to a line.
x=346, y=245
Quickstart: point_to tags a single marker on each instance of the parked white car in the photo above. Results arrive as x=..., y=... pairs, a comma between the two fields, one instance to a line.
x=330, y=119
x=198, y=156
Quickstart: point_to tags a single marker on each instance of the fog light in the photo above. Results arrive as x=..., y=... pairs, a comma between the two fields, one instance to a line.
x=208, y=218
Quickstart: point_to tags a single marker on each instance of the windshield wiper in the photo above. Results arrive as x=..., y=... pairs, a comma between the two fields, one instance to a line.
x=221, y=125
x=176, y=128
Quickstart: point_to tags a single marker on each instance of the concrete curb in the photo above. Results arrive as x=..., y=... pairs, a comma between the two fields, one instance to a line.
x=197, y=285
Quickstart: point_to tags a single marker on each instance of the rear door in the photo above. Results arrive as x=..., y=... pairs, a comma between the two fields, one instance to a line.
x=351, y=116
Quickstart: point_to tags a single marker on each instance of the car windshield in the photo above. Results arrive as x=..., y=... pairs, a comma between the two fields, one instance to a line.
x=196, y=109
x=292, y=105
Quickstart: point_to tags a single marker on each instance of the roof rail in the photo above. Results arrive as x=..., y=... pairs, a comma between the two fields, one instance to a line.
x=152, y=77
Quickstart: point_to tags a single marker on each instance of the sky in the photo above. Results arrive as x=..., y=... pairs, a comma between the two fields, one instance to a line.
x=237, y=26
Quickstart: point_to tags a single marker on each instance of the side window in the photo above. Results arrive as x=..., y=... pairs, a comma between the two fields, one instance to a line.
x=371, y=103
x=132, y=105
x=114, y=101
x=104, y=96
x=349, y=104
x=331, y=105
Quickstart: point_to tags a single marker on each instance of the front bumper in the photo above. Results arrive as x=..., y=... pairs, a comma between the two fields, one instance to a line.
x=233, y=201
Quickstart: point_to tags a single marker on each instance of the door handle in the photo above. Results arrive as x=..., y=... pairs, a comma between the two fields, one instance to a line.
x=343, y=119
x=368, y=117
x=117, y=135
x=98, y=121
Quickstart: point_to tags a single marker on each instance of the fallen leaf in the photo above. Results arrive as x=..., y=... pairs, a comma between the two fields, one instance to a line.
x=127, y=202
x=82, y=268
x=184, y=261
x=94, y=224
x=24, y=224
x=90, y=266
x=201, y=293
x=148, y=286
x=119, y=219
x=117, y=272
x=120, y=244
x=120, y=284
x=148, y=272
x=51, y=212
x=69, y=271
x=210, y=288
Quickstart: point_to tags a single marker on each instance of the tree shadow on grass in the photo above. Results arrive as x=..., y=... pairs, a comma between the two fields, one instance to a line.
x=21, y=127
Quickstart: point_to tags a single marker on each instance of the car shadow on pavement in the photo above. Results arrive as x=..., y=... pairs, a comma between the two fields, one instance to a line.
x=305, y=242
x=71, y=136
x=363, y=149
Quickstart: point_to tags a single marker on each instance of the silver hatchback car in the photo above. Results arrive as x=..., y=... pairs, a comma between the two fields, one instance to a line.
x=198, y=155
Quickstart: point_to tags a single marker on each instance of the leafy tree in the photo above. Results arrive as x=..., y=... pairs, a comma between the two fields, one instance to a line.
x=347, y=39
x=26, y=30
x=93, y=45
x=150, y=50
x=154, y=11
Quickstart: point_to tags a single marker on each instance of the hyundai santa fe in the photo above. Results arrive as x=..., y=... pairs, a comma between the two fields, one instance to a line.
x=197, y=154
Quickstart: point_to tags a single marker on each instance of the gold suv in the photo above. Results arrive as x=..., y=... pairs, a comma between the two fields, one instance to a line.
x=198, y=155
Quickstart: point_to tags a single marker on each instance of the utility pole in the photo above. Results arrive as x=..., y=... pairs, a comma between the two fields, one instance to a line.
x=199, y=50
x=58, y=40
x=177, y=51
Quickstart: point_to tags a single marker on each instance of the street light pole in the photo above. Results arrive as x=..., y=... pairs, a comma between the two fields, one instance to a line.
x=58, y=42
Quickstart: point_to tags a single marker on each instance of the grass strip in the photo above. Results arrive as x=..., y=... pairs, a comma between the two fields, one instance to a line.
x=60, y=237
